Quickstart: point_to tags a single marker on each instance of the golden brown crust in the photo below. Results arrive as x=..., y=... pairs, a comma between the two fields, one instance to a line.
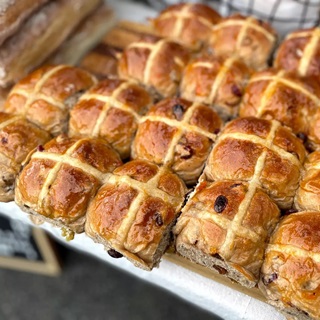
x=110, y=110
x=291, y=271
x=189, y=24
x=216, y=81
x=178, y=134
x=133, y=210
x=45, y=96
x=222, y=222
x=280, y=95
x=262, y=151
x=300, y=53
x=250, y=39
x=18, y=137
x=60, y=179
x=157, y=64
x=308, y=194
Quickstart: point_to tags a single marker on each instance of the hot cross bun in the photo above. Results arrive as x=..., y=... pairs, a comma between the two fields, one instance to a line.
x=110, y=110
x=18, y=137
x=308, y=194
x=134, y=211
x=290, y=275
x=45, y=96
x=60, y=179
x=225, y=226
x=248, y=38
x=300, y=53
x=179, y=134
x=188, y=23
x=280, y=95
x=216, y=81
x=262, y=152
x=156, y=63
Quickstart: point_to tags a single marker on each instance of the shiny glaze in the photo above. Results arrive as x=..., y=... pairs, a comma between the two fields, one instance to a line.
x=153, y=215
x=290, y=106
x=119, y=126
x=255, y=49
x=297, y=282
x=197, y=83
x=204, y=234
x=153, y=138
x=165, y=73
x=72, y=188
x=290, y=52
x=233, y=158
x=61, y=87
x=193, y=30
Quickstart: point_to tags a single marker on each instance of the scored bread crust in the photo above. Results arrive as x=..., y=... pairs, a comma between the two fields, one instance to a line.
x=291, y=271
x=110, y=110
x=18, y=137
x=59, y=180
x=216, y=81
x=13, y=13
x=308, y=195
x=189, y=24
x=40, y=36
x=300, y=52
x=228, y=237
x=246, y=37
x=46, y=95
x=134, y=211
x=284, y=96
x=262, y=151
x=156, y=63
x=178, y=134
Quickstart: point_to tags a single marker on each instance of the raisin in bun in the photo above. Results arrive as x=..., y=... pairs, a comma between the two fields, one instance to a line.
x=179, y=134
x=248, y=38
x=224, y=226
x=46, y=95
x=134, y=211
x=308, y=194
x=300, y=53
x=59, y=180
x=110, y=110
x=262, y=152
x=18, y=137
x=156, y=63
x=284, y=96
x=216, y=81
x=188, y=23
x=290, y=275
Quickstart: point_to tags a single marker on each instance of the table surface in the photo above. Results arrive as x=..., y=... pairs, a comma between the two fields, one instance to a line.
x=194, y=287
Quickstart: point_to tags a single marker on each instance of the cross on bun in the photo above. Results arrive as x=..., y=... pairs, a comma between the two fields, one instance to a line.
x=248, y=38
x=110, y=110
x=59, y=180
x=280, y=95
x=156, y=63
x=216, y=81
x=308, y=194
x=188, y=23
x=300, y=53
x=262, y=152
x=224, y=226
x=179, y=134
x=290, y=275
x=18, y=137
x=46, y=95
x=134, y=211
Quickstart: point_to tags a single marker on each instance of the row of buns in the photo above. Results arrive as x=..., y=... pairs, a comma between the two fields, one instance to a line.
x=251, y=173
